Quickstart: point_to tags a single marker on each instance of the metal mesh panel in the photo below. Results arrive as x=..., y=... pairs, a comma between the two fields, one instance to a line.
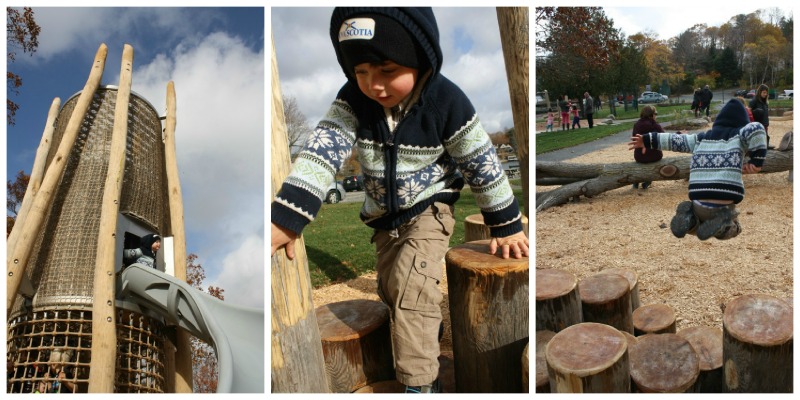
x=43, y=344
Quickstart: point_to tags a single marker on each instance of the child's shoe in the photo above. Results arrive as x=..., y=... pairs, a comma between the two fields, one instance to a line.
x=684, y=220
x=434, y=387
x=719, y=226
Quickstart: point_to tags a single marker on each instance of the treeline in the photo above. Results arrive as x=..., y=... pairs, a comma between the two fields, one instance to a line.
x=579, y=49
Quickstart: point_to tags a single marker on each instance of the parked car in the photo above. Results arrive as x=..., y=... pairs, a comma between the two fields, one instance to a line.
x=652, y=97
x=354, y=183
x=335, y=193
x=740, y=92
x=750, y=94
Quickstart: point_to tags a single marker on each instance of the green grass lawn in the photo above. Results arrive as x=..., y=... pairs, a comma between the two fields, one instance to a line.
x=338, y=243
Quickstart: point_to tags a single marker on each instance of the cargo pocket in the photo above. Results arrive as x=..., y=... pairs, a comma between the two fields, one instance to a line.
x=422, y=290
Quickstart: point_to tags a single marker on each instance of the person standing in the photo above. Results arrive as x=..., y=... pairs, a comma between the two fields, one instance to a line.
x=550, y=118
x=760, y=108
x=697, y=102
x=588, y=108
x=576, y=117
x=564, y=106
x=706, y=97
x=646, y=124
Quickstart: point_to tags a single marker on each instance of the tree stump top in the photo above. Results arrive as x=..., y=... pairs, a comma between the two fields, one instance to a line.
x=653, y=317
x=475, y=256
x=664, y=362
x=350, y=319
x=554, y=283
x=630, y=275
x=759, y=319
x=586, y=348
x=632, y=340
x=542, y=339
x=600, y=289
x=707, y=342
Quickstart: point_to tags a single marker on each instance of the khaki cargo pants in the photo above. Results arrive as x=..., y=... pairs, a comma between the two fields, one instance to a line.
x=410, y=267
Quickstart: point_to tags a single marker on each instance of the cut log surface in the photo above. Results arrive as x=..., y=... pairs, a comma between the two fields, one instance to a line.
x=707, y=343
x=543, y=337
x=558, y=303
x=664, y=363
x=653, y=318
x=475, y=228
x=588, y=358
x=633, y=280
x=489, y=299
x=606, y=299
x=356, y=343
x=757, y=345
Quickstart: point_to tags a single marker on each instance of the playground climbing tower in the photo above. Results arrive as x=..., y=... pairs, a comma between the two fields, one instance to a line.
x=67, y=249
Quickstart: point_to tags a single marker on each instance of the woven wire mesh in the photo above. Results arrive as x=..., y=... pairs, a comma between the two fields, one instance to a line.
x=44, y=344
x=61, y=267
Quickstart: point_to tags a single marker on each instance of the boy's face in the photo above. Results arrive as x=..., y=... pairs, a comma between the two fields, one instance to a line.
x=388, y=83
x=156, y=246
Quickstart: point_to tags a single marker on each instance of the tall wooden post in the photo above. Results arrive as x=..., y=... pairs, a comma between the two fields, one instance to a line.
x=297, y=362
x=183, y=356
x=104, y=333
x=37, y=173
x=513, y=23
x=17, y=260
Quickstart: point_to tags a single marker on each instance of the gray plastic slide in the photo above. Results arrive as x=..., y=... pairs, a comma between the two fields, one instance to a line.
x=235, y=332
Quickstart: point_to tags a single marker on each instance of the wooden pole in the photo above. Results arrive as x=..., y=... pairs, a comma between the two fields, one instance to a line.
x=18, y=260
x=104, y=333
x=513, y=23
x=37, y=173
x=183, y=355
x=298, y=365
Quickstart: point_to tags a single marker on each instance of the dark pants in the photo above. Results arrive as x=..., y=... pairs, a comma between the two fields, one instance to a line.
x=590, y=120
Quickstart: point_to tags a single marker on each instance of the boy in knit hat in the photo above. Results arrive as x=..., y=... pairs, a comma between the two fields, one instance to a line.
x=715, y=176
x=418, y=141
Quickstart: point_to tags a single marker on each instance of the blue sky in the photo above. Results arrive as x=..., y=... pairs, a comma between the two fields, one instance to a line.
x=470, y=40
x=215, y=56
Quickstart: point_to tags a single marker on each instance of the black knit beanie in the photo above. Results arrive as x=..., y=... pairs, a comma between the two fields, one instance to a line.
x=374, y=38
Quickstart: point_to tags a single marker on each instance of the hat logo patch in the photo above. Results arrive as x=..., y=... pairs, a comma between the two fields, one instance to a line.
x=357, y=28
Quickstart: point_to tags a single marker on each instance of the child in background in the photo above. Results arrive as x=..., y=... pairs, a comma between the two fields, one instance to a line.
x=550, y=118
x=715, y=176
x=419, y=141
x=576, y=119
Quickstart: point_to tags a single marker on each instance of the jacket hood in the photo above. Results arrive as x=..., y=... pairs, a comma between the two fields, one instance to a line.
x=730, y=119
x=418, y=21
x=147, y=243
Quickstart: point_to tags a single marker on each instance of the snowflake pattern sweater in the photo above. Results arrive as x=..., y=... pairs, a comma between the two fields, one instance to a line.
x=435, y=147
x=717, y=155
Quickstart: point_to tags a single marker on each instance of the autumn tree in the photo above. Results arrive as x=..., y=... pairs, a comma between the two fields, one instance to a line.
x=204, y=359
x=22, y=35
x=15, y=192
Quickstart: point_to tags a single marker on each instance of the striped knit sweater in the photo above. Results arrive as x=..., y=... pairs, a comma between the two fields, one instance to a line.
x=719, y=154
x=409, y=160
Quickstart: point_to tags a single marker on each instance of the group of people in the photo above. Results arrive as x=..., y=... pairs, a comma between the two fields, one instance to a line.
x=701, y=101
x=569, y=109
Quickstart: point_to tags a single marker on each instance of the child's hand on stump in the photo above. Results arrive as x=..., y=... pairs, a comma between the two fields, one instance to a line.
x=516, y=243
x=283, y=237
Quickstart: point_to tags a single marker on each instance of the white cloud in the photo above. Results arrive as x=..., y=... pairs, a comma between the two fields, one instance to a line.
x=242, y=274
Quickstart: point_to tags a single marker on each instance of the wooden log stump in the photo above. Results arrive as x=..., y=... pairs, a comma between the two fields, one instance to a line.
x=558, y=303
x=489, y=317
x=757, y=345
x=632, y=341
x=383, y=387
x=606, y=299
x=525, y=371
x=475, y=228
x=633, y=280
x=664, y=363
x=356, y=343
x=707, y=343
x=653, y=318
x=542, y=381
x=588, y=358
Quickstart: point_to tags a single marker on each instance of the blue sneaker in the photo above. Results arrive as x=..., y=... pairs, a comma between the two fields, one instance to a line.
x=434, y=387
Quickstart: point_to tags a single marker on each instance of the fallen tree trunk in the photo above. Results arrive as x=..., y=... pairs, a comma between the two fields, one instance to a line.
x=592, y=179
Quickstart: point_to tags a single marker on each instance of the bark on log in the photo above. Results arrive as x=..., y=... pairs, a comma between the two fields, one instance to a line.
x=598, y=178
x=606, y=299
x=383, y=387
x=588, y=358
x=757, y=345
x=489, y=317
x=525, y=370
x=297, y=362
x=707, y=343
x=664, y=363
x=475, y=228
x=558, y=303
x=543, y=337
x=633, y=281
x=653, y=318
x=356, y=343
